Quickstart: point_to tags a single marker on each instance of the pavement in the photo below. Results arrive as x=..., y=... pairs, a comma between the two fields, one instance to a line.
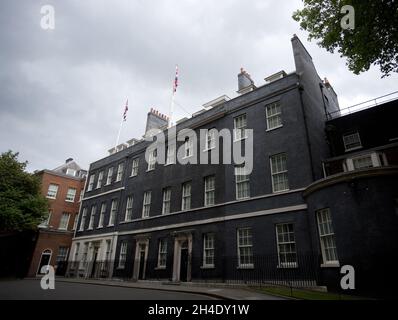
x=217, y=291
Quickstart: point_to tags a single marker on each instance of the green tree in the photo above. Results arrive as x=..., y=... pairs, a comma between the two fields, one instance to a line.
x=22, y=206
x=373, y=40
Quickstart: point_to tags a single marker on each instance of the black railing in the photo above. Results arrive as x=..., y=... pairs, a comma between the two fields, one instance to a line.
x=301, y=271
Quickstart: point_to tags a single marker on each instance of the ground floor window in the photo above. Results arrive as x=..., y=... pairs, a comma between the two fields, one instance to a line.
x=245, y=248
x=122, y=255
x=62, y=254
x=287, y=256
x=208, y=250
x=326, y=235
x=162, y=255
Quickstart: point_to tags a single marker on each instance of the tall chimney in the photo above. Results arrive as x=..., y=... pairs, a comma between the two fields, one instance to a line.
x=156, y=120
x=245, y=82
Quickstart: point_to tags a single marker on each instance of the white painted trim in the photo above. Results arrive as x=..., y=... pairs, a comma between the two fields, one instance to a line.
x=219, y=219
x=103, y=193
x=96, y=236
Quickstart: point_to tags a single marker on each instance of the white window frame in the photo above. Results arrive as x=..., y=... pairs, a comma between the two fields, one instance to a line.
x=52, y=194
x=92, y=217
x=63, y=225
x=119, y=174
x=242, y=247
x=100, y=178
x=128, y=216
x=46, y=222
x=283, y=239
x=109, y=176
x=122, y=255
x=113, y=213
x=272, y=116
x=76, y=254
x=84, y=259
x=71, y=172
x=186, y=197
x=162, y=254
x=146, y=204
x=210, y=140
x=170, y=155
x=102, y=216
x=208, y=250
x=62, y=257
x=91, y=182
x=188, y=148
x=324, y=236
x=348, y=136
x=279, y=173
x=166, y=203
x=240, y=126
x=210, y=190
x=152, y=161
x=83, y=220
x=241, y=179
x=134, y=167
x=70, y=196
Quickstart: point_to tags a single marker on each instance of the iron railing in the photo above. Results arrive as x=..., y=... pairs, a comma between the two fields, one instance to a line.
x=363, y=105
x=264, y=270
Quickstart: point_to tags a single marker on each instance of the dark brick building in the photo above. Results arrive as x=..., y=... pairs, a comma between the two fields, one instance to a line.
x=144, y=220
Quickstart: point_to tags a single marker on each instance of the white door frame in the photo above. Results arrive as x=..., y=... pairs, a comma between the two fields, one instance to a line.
x=141, y=242
x=179, y=239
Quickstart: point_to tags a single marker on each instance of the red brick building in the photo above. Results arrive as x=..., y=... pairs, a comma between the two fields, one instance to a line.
x=63, y=186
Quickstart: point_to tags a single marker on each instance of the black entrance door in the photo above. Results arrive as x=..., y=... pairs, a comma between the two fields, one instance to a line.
x=142, y=265
x=45, y=260
x=184, y=265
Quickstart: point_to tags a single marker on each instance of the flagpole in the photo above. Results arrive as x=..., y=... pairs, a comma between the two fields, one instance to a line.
x=121, y=123
x=175, y=84
x=171, y=110
x=118, y=135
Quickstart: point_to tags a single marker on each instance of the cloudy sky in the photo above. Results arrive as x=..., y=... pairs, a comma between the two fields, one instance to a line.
x=62, y=91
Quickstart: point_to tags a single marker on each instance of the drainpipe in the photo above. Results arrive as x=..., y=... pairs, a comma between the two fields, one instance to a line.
x=301, y=89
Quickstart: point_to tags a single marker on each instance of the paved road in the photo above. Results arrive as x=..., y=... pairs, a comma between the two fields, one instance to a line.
x=30, y=289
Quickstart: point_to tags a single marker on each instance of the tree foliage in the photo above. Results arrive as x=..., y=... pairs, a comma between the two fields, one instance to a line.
x=22, y=206
x=373, y=41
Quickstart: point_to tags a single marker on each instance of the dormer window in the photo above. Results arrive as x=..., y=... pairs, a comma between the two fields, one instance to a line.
x=352, y=141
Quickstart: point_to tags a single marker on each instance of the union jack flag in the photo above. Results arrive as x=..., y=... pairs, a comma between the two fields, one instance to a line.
x=175, y=84
x=125, y=110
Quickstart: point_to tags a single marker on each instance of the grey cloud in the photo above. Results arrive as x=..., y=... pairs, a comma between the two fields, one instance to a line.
x=62, y=91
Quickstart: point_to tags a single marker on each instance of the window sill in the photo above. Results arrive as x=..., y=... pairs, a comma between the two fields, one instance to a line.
x=126, y=221
x=278, y=127
x=206, y=150
x=287, y=266
x=110, y=225
x=100, y=227
x=248, y=267
x=352, y=149
x=240, y=139
x=70, y=201
x=160, y=268
x=149, y=170
x=168, y=164
x=133, y=176
x=53, y=198
x=330, y=265
x=280, y=191
x=243, y=198
x=207, y=267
